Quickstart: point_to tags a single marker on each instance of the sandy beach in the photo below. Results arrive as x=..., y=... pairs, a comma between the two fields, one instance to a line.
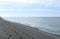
x=11, y=30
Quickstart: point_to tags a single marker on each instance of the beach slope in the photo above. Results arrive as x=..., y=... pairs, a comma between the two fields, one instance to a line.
x=11, y=30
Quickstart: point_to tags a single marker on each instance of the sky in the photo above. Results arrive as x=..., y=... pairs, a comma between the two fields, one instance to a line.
x=30, y=8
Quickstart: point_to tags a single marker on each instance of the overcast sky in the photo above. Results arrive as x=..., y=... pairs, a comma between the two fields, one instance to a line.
x=30, y=8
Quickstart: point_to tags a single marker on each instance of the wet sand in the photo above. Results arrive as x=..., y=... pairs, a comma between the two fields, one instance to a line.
x=11, y=30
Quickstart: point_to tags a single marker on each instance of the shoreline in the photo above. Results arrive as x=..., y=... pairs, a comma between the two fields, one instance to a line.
x=20, y=31
x=49, y=31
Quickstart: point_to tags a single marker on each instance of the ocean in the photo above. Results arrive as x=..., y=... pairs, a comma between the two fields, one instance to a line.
x=48, y=24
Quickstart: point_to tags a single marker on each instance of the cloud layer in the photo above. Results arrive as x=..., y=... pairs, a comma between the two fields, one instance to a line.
x=29, y=7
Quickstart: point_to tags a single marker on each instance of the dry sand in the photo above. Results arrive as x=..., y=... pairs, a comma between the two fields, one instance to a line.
x=11, y=30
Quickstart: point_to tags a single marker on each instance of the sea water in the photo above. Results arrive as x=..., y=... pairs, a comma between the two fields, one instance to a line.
x=48, y=24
